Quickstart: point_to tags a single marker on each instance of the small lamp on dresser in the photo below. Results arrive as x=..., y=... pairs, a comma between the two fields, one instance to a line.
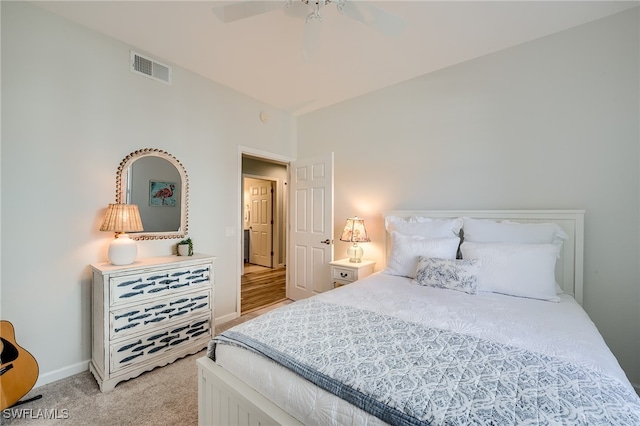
x=122, y=218
x=355, y=232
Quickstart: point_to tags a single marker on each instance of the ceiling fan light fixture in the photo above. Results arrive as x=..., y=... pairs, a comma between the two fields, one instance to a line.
x=317, y=4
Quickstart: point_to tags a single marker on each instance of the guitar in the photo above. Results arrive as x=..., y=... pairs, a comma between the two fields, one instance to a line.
x=18, y=368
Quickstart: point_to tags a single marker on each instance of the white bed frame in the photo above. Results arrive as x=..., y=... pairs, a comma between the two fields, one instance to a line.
x=225, y=400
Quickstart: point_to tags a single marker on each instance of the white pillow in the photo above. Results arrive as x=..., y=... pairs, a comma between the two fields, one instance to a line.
x=453, y=274
x=406, y=249
x=424, y=226
x=488, y=231
x=523, y=270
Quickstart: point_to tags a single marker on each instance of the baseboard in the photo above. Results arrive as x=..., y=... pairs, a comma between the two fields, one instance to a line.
x=226, y=318
x=62, y=373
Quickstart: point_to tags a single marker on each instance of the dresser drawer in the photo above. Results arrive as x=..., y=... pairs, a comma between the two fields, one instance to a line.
x=155, y=313
x=343, y=274
x=142, y=286
x=139, y=349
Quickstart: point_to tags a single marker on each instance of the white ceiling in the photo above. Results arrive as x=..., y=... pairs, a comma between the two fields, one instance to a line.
x=261, y=56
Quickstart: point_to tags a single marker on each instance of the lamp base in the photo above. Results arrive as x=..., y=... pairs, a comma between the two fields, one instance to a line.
x=122, y=250
x=355, y=253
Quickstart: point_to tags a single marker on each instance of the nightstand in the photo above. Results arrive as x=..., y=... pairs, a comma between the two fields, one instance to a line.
x=344, y=272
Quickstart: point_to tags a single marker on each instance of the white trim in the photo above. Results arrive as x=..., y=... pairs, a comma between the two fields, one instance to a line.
x=62, y=373
x=267, y=156
x=226, y=318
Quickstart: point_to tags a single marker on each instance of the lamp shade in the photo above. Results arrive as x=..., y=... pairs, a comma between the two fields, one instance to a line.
x=354, y=231
x=122, y=218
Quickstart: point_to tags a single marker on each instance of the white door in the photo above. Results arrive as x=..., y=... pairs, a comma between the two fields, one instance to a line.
x=260, y=221
x=311, y=225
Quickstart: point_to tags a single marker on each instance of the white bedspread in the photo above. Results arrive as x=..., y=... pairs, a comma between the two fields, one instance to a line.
x=557, y=329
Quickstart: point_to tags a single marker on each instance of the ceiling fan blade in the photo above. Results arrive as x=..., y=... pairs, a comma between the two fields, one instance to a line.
x=297, y=9
x=375, y=17
x=245, y=9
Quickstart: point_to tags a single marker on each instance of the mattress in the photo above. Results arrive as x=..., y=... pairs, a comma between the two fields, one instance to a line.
x=559, y=330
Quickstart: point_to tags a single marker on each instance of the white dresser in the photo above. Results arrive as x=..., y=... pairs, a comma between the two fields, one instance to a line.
x=148, y=314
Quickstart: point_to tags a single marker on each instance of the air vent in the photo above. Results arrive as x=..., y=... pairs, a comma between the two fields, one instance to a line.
x=150, y=68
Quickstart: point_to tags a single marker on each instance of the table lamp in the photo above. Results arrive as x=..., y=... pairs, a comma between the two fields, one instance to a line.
x=355, y=232
x=122, y=218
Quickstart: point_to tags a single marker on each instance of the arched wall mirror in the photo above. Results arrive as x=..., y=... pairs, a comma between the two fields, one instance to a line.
x=157, y=183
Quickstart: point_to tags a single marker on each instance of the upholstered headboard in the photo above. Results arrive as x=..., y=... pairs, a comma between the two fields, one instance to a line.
x=570, y=266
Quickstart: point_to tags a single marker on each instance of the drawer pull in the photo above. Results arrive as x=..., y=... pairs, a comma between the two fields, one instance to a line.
x=135, y=293
x=157, y=348
x=129, y=358
x=130, y=345
x=177, y=274
x=179, y=285
x=201, y=270
x=199, y=323
x=178, y=314
x=193, y=277
x=169, y=281
x=200, y=306
x=128, y=314
x=195, y=330
x=157, y=336
x=126, y=283
x=344, y=274
x=155, y=290
x=143, y=347
x=155, y=307
x=179, y=329
x=157, y=277
x=166, y=311
x=168, y=339
x=139, y=286
x=177, y=342
x=154, y=320
x=126, y=326
x=139, y=317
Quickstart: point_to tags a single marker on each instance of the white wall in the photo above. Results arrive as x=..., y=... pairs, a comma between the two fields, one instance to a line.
x=71, y=111
x=549, y=124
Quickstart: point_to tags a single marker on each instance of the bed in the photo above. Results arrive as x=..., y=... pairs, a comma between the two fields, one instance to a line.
x=475, y=319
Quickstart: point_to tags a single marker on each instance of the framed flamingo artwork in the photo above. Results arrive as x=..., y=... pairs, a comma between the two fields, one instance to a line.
x=162, y=193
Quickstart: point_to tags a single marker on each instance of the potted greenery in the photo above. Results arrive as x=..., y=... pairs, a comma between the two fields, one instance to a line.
x=185, y=247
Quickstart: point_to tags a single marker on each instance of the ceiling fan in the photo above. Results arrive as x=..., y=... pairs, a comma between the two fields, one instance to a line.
x=358, y=10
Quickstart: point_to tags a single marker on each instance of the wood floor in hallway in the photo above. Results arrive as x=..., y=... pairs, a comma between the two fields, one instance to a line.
x=262, y=288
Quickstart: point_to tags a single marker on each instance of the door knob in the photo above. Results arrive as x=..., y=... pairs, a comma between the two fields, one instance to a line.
x=327, y=241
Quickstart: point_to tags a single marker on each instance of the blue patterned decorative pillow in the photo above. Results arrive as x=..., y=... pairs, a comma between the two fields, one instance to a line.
x=452, y=274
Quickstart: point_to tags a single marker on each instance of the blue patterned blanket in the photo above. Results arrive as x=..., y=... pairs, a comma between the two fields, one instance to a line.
x=408, y=374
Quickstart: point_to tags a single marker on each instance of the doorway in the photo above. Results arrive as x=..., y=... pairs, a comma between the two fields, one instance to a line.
x=258, y=221
x=263, y=195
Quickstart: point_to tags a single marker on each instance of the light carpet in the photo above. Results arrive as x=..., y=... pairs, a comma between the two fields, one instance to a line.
x=163, y=396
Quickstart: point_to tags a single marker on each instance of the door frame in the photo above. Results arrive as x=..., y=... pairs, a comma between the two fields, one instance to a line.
x=268, y=157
